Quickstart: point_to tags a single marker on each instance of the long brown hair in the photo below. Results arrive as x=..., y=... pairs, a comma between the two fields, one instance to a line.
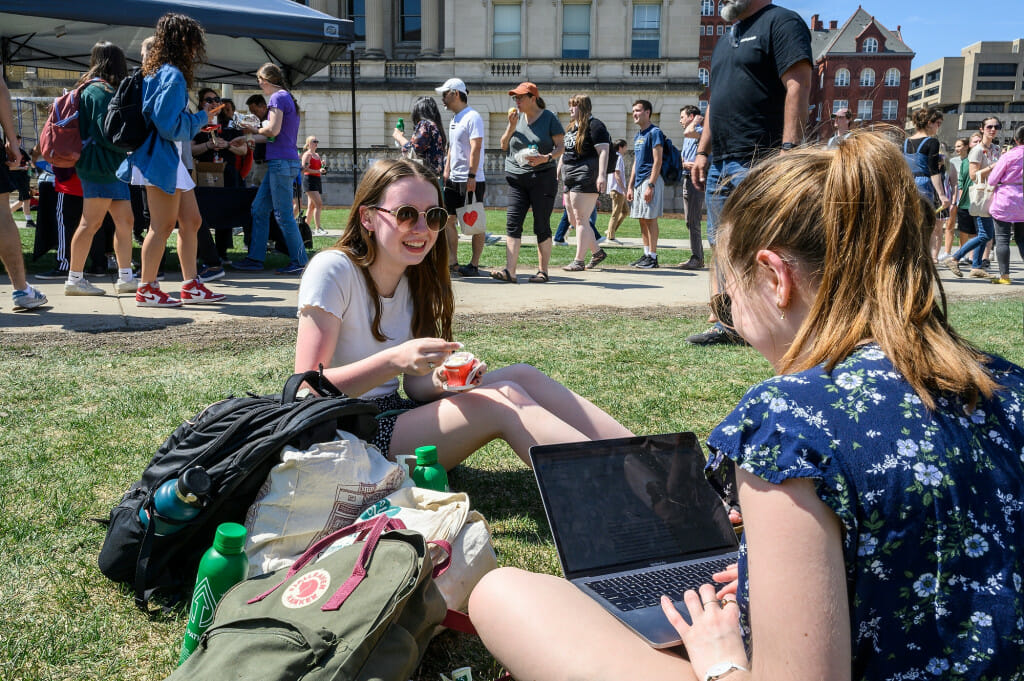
x=106, y=62
x=179, y=41
x=580, y=124
x=852, y=218
x=429, y=282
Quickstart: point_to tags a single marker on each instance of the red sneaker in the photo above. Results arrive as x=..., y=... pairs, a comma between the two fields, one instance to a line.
x=152, y=296
x=195, y=292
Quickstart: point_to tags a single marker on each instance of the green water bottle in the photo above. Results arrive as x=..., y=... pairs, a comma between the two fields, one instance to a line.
x=428, y=472
x=223, y=565
x=400, y=127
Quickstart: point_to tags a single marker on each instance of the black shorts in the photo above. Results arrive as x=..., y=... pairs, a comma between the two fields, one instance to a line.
x=965, y=222
x=21, y=183
x=581, y=178
x=6, y=184
x=455, y=194
x=312, y=183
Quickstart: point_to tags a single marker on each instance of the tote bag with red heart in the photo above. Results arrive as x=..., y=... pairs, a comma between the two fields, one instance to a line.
x=472, y=218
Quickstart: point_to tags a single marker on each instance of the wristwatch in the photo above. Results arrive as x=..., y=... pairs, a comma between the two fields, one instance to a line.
x=718, y=671
x=551, y=157
x=786, y=146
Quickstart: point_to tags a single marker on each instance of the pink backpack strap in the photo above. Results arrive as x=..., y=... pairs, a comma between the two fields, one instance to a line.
x=379, y=523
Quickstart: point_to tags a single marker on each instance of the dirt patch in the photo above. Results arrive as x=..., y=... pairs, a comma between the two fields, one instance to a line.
x=245, y=332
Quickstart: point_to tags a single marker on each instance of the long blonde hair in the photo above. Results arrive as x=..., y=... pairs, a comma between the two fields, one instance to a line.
x=854, y=221
x=580, y=123
x=429, y=281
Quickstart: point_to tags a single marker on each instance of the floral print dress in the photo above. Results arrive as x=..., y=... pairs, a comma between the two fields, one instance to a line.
x=427, y=143
x=931, y=504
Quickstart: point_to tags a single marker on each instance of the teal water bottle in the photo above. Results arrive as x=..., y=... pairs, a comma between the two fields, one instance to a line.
x=178, y=499
x=223, y=565
x=428, y=472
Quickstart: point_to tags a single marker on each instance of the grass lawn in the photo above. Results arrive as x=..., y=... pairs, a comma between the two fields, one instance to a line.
x=81, y=415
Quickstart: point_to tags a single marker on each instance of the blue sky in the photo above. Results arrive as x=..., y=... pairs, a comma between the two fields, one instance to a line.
x=933, y=29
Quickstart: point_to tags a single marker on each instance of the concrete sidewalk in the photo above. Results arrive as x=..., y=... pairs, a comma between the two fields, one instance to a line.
x=265, y=294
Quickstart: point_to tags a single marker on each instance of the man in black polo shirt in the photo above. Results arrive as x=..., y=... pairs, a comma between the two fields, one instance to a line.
x=760, y=83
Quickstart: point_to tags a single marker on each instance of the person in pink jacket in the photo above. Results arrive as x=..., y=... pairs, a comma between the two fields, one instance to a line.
x=1007, y=209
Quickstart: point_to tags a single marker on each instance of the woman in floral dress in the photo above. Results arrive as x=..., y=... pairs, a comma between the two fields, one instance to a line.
x=879, y=472
x=428, y=143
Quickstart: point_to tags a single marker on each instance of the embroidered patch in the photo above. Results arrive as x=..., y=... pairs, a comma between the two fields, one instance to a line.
x=307, y=589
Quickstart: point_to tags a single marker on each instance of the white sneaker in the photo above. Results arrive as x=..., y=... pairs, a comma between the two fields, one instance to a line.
x=944, y=256
x=28, y=300
x=130, y=286
x=82, y=287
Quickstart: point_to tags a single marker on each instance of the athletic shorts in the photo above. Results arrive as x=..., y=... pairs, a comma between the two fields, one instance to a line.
x=581, y=178
x=455, y=194
x=312, y=183
x=965, y=222
x=6, y=185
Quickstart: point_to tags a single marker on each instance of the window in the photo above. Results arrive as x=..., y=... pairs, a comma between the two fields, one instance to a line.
x=869, y=45
x=842, y=77
x=707, y=8
x=931, y=91
x=914, y=97
x=916, y=82
x=892, y=77
x=1016, y=107
x=409, y=23
x=576, y=32
x=704, y=76
x=890, y=107
x=864, y=108
x=507, y=32
x=996, y=85
x=982, y=108
x=721, y=29
x=703, y=106
x=357, y=13
x=646, y=31
x=997, y=70
x=933, y=76
x=867, y=78
x=838, y=104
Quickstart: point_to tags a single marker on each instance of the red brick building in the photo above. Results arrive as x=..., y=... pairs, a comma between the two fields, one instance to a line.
x=862, y=66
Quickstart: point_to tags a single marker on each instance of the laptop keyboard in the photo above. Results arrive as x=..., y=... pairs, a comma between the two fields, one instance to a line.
x=644, y=589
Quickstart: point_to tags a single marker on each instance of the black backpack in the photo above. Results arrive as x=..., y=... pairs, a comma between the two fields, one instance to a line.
x=237, y=440
x=671, y=162
x=125, y=126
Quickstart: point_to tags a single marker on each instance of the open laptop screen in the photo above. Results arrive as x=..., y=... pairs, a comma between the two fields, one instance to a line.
x=619, y=504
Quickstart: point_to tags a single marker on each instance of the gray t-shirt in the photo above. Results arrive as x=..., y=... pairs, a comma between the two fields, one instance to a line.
x=983, y=157
x=540, y=132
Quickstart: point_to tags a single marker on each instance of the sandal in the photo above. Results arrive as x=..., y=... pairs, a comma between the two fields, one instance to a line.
x=503, y=275
x=539, y=278
x=575, y=266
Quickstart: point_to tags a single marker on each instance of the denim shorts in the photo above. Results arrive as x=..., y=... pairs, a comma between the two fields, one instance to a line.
x=116, y=190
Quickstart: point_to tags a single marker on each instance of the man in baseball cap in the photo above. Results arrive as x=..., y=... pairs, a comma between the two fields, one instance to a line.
x=452, y=84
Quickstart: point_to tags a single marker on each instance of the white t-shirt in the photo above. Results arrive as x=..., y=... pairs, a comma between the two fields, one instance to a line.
x=613, y=184
x=465, y=126
x=334, y=284
x=984, y=157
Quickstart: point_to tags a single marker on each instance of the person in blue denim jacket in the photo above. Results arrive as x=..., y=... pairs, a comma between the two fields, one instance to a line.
x=179, y=44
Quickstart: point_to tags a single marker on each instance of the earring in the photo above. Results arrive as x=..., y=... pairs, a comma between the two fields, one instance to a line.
x=782, y=310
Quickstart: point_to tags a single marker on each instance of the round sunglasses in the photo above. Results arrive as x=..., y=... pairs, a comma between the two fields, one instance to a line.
x=407, y=216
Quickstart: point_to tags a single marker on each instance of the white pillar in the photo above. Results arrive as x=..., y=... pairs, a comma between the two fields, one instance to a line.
x=376, y=28
x=430, y=31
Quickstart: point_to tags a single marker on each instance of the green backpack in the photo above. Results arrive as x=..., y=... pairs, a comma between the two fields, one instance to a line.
x=365, y=611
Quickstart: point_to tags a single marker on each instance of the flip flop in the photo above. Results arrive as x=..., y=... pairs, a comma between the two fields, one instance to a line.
x=503, y=275
x=539, y=278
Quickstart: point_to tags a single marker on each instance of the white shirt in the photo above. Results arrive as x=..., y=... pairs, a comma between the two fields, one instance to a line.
x=334, y=284
x=465, y=126
x=620, y=167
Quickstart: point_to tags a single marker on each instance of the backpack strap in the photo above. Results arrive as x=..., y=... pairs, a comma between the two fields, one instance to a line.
x=315, y=379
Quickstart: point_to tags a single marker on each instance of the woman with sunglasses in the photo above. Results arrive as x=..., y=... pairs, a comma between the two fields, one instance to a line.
x=312, y=168
x=377, y=306
x=879, y=470
x=981, y=159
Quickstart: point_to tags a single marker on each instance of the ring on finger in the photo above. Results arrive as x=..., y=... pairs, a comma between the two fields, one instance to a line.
x=430, y=365
x=705, y=604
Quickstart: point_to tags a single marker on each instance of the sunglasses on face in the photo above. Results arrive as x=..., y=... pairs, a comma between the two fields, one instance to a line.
x=211, y=100
x=721, y=307
x=993, y=127
x=314, y=141
x=406, y=217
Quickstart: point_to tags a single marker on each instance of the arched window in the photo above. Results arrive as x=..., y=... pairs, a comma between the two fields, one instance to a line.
x=870, y=45
x=892, y=77
x=842, y=77
x=703, y=76
x=707, y=8
x=867, y=78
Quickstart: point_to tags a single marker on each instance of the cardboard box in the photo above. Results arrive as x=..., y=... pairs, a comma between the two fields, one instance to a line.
x=209, y=174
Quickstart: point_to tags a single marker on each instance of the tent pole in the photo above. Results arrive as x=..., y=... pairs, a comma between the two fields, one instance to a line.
x=352, y=89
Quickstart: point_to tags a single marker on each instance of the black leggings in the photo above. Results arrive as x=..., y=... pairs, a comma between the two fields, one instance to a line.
x=1002, y=247
x=534, y=191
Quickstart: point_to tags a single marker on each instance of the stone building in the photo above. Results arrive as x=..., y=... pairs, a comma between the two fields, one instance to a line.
x=613, y=50
x=987, y=79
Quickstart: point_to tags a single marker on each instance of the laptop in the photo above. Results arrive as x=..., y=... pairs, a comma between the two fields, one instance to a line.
x=632, y=519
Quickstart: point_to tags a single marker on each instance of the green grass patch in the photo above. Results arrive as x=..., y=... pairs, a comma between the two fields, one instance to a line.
x=80, y=416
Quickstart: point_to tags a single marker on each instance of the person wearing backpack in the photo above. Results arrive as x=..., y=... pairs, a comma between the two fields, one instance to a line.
x=646, y=188
x=102, y=192
x=169, y=65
